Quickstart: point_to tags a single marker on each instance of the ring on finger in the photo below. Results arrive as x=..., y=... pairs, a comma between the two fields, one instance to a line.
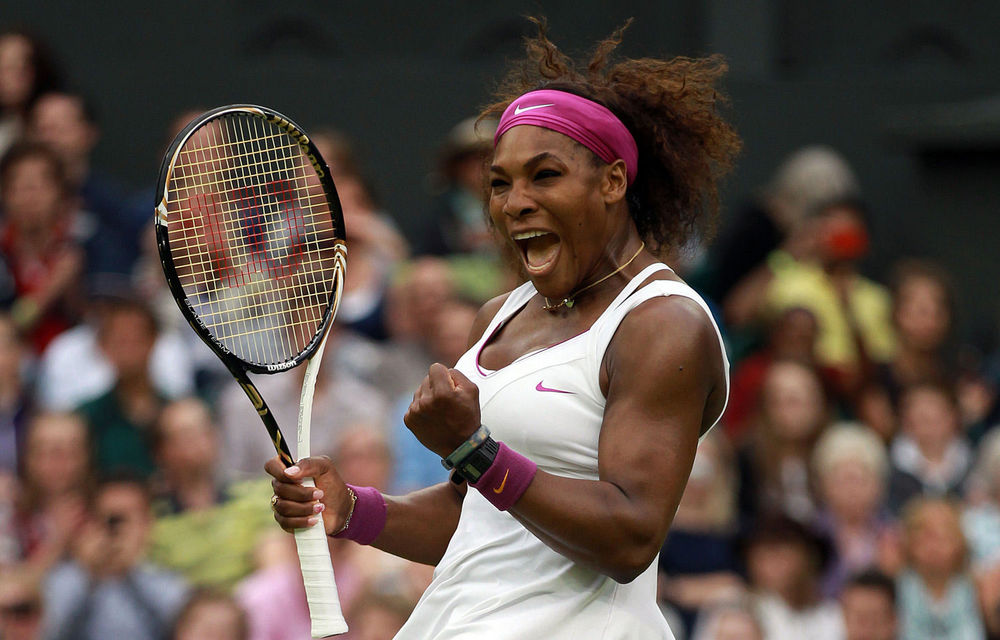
x=274, y=503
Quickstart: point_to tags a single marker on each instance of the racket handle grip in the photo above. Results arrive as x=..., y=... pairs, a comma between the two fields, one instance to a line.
x=317, y=575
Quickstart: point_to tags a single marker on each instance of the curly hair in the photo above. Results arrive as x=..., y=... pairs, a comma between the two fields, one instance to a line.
x=671, y=108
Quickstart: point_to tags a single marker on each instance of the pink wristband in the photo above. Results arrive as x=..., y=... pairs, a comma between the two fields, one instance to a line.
x=507, y=478
x=368, y=518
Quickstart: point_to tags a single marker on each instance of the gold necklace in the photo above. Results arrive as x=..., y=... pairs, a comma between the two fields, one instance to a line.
x=570, y=300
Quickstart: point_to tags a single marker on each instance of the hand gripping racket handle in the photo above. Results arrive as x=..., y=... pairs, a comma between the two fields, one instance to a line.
x=314, y=554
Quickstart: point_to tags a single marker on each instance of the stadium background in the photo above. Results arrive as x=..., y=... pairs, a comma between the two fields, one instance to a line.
x=908, y=92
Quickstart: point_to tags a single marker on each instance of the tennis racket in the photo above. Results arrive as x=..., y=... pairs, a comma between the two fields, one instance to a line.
x=251, y=238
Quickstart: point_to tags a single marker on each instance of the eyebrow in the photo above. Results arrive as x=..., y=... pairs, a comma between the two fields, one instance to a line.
x=531, y=162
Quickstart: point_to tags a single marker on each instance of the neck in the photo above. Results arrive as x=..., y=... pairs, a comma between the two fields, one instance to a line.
x=77, y=170
x=34, y=238
x=134, y=384
x=620, y=267
x=934, y=451
x=195, y=489
x=800, y=598
x=936, y=583
x=138, y=398
x=791, y=448
x=913, y=363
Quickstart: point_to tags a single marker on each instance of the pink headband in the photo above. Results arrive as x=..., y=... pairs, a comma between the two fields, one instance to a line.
x=590, y=124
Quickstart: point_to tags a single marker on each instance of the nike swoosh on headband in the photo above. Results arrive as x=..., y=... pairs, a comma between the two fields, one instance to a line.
x=518, y=110
x=541, y=387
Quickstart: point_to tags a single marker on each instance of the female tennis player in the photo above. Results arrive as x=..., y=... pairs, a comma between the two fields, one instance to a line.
x=575, y=414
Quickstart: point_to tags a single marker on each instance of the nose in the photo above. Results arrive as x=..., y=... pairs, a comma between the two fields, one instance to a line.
x=518, y=203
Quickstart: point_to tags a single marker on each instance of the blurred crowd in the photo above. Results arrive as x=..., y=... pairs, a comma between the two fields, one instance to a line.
x=852, y=489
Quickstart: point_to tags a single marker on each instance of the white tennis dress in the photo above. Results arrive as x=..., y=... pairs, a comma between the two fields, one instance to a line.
x=496, y=579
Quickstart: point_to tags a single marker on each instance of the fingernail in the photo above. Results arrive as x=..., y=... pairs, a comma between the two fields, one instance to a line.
x=311, y=521
x=318, y=494
x=318, y=507
x=292, y=471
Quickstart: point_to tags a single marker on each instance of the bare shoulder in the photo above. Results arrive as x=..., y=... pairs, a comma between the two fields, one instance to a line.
x=674, y=326
x=486, y=313
x=666, y=343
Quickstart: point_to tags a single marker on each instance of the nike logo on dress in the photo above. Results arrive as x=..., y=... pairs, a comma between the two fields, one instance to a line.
x=541, y=387
x=503, y=483
x=518, y=110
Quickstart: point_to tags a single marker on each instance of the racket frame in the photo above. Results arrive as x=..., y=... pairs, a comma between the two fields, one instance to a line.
x=163, y=244
x=314, y=556
x=238, y=367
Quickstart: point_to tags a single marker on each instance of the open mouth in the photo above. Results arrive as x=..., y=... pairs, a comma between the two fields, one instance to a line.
x=539, y=249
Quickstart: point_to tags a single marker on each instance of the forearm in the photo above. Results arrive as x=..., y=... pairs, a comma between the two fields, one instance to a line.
x=419, y=525
x=593, y=523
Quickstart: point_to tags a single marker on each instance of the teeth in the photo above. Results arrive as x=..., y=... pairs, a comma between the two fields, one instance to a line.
x=529, y=234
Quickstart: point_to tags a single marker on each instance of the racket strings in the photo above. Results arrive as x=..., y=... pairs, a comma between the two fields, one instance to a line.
x=252, y=236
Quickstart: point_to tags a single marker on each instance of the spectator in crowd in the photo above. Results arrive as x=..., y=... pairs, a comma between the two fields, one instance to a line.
x=340, y=400
x=981, y=526
x=792, y=336
x=449, y=337
x=937, y=596
x=874, y=408
x=205, y=529
x=211, y=615
x=378, y=616
x=186, y=447
x=978, y=392
x=43, y=260
x=26, y=72
x=418, y=294
x=923, y=306
x=121, y=419
x=376, y=246
x=416, y=467
x=981, y=516
x=774, y=462
x=362, y=453
x=75, y=367
x=930, y=456
x=106, y=224
x=15, y=399
x=868, y=603
x=805, y=180
x=107, y=590
x=55, y=488
x=730, y=621
x=20, y=605
x=922, y=301
x=785, y=562
x=853, y=312
x=273, y=595
x=699, y=563
x=457, y=221
x=852, y=470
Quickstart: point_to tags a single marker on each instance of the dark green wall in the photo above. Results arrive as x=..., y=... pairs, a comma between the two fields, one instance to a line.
x=396, y=76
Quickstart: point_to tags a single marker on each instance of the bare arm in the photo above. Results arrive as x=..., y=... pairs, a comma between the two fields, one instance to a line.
x=656, y=404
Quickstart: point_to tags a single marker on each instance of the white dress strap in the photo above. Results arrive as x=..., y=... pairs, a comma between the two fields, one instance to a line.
x=515, y=300
x=606, y=327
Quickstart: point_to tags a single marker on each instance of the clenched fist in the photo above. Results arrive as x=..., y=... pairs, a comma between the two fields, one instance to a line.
x=444, y=411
